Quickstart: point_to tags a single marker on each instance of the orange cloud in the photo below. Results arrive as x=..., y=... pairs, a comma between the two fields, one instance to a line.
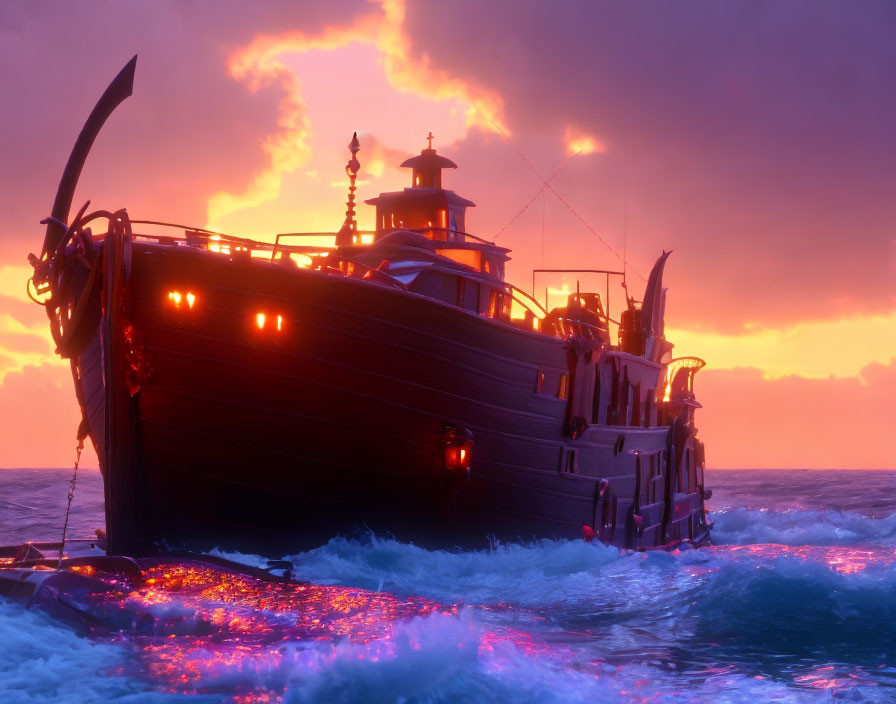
x=748, y=421
x=24, y=342
x=378, y=156
x=578, y=142
x=811, y=349
x=286, y=149
x=27, y=398
x=24, y=335
x=260, y=64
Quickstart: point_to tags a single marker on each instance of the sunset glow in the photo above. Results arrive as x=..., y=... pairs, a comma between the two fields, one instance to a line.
x=578, y=142
x=782, y=272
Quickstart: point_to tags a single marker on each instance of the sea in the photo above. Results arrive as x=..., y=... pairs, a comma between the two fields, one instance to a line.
x=794, y=601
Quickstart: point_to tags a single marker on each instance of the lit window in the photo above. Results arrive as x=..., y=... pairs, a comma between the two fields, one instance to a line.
x=260, y=320
x=191, y=299
x=279, y=322
x=563, y=389
x=366, y=239
x=175, y=297
x=539, y=382
x=495, y=304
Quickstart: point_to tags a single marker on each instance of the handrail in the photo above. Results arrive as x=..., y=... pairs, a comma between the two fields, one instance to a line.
x=519, y=290
x=448, y=230
x=185, y=228
x=276, y=246
x=206, y=236
x=607, y=273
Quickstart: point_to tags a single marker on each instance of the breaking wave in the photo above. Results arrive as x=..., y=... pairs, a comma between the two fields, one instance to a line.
x=45, y=662
x=743, y=526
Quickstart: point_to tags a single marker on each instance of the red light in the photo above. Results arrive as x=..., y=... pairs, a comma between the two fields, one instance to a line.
x=458, y=443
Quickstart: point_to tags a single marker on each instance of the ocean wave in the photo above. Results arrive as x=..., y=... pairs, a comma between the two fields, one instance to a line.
x=716, y=625
x=837, y=599
x=532, y=573
x=444, y=658
x=743, y=526
x=753, y=606
x=43, y=661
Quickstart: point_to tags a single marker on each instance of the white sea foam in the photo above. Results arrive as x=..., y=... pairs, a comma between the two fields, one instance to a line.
x=742, y=526
x=43, y=661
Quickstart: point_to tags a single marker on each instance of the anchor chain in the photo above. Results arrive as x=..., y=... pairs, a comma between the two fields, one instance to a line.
x=71, y=494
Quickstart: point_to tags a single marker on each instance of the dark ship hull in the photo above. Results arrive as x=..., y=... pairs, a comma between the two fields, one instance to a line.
x=243, y=402
x=337, y=420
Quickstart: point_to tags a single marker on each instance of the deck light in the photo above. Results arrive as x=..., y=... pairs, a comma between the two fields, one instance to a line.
x=191, y=299
x=260, y=320
x=279, y=322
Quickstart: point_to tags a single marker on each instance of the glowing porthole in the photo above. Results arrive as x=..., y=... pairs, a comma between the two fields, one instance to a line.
x=176, y=298
x=268, y=321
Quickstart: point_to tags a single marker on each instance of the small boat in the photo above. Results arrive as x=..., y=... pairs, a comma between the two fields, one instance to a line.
x=257, y=394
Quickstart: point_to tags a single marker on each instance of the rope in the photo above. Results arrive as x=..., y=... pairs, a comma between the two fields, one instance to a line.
x=532, y=199
x=548, y=186
x=71, y=494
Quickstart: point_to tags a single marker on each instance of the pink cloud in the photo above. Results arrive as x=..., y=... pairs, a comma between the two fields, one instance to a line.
x=793, y=422
x=40, y=419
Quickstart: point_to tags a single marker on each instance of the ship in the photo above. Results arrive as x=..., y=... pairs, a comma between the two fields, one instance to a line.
x=262, y=394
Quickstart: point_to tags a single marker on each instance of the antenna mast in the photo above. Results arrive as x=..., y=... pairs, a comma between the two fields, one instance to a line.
x=625, y=222
x=347, y=234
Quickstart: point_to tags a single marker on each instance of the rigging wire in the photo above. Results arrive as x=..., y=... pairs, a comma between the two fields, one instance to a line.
x=548, y=186
x=532, y=199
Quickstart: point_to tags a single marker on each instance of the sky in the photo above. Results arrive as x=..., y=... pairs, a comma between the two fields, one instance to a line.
x=753, y=138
